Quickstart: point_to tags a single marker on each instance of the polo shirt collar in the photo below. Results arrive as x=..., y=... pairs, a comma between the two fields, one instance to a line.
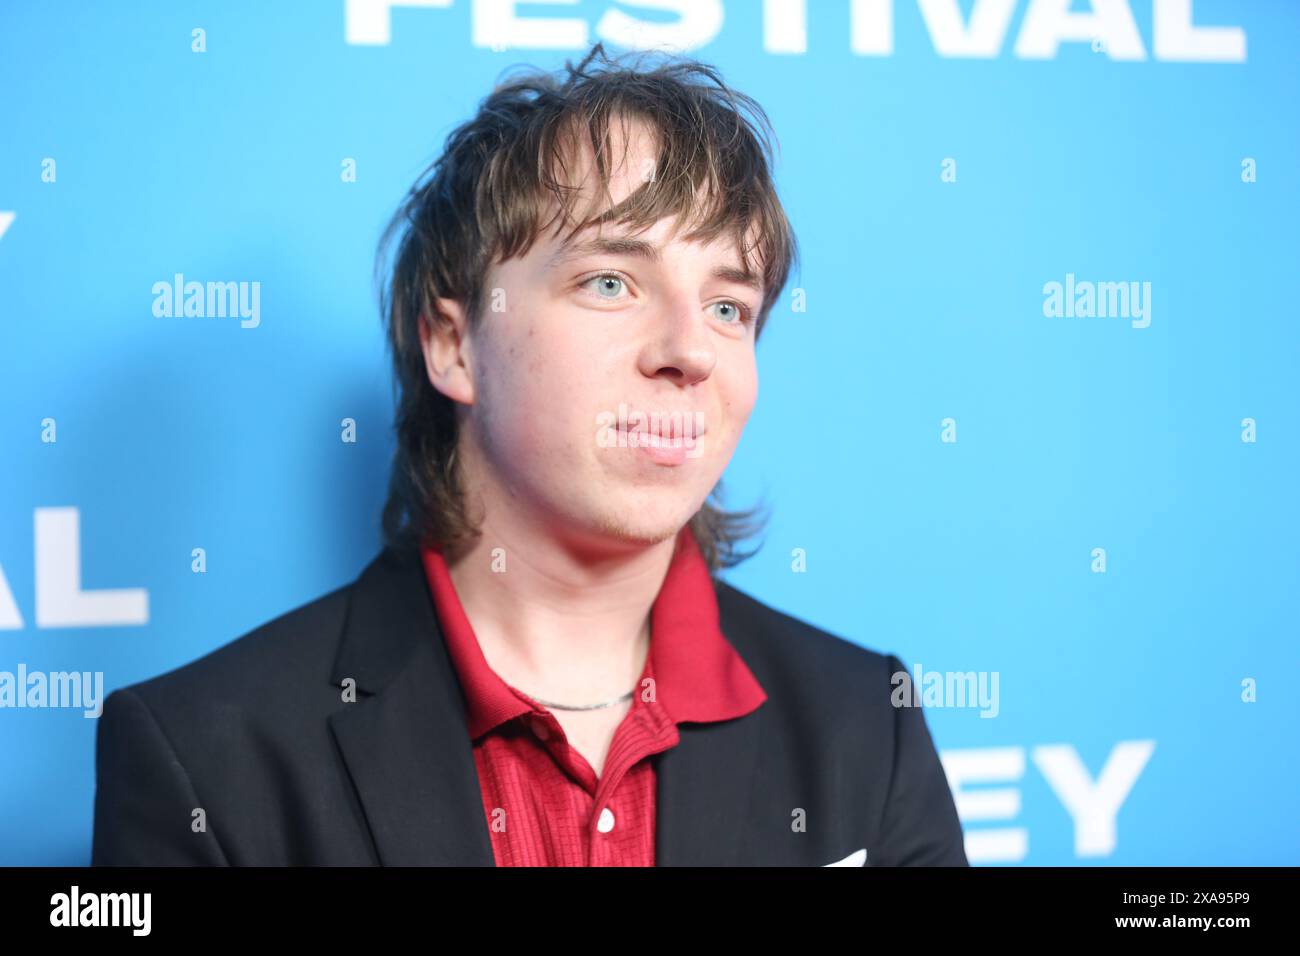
x=699, y=676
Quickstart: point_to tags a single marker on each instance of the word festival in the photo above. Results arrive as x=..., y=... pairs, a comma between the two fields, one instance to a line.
x=1109, y=29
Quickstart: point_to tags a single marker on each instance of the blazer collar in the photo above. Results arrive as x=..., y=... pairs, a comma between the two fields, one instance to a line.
x=404, y=739
x=406, y=744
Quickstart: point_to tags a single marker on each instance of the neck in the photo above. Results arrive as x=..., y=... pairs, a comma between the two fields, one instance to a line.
x=560, y=624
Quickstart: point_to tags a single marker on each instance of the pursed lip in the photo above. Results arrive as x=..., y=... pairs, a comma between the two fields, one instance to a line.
x=665, y=431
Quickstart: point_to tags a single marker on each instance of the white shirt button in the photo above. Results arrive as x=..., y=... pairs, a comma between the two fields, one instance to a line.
x=540, y=728
x=606, y=821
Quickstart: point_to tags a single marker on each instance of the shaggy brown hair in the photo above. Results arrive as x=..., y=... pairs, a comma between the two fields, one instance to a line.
x=482, y=201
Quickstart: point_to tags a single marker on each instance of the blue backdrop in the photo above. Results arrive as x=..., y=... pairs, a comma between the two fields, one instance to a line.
x=1086, y=492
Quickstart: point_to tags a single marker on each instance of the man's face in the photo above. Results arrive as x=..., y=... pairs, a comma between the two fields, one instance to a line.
x=575, y=341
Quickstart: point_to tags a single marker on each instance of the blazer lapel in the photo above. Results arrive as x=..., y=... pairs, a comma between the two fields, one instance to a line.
x=703, y=788
x=404, y=740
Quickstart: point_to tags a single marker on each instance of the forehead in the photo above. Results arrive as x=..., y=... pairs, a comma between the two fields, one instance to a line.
x=628, y=156
x=648, y=246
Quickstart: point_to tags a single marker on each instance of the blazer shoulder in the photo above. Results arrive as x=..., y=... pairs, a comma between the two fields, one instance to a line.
x=834, y=698
x=294, y=648
x=787, y=648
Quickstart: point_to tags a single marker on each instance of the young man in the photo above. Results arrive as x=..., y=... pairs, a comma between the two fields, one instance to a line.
x=541, y=667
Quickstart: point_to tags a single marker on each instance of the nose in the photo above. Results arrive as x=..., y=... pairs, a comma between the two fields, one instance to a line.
x=679, y=347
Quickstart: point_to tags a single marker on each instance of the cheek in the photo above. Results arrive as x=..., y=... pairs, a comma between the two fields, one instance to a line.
x=504, y=383
x=535, y=387
x=739, y=395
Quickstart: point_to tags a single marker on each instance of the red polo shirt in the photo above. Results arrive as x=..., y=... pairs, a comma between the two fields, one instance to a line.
x=543, y=802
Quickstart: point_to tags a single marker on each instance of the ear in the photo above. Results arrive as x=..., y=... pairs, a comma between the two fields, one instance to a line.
x=444, y=339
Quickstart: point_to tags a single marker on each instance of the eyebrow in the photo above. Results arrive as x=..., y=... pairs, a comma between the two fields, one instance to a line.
x=640, y=249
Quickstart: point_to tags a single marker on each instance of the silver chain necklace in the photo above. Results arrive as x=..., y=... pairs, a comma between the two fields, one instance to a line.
x=608, y=703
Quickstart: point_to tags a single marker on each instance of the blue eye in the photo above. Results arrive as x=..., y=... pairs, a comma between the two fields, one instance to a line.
x=608, y=285
x=604, y=281
x=738, y=312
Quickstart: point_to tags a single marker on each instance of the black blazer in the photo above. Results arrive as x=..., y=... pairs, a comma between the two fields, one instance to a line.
x=257, y=736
